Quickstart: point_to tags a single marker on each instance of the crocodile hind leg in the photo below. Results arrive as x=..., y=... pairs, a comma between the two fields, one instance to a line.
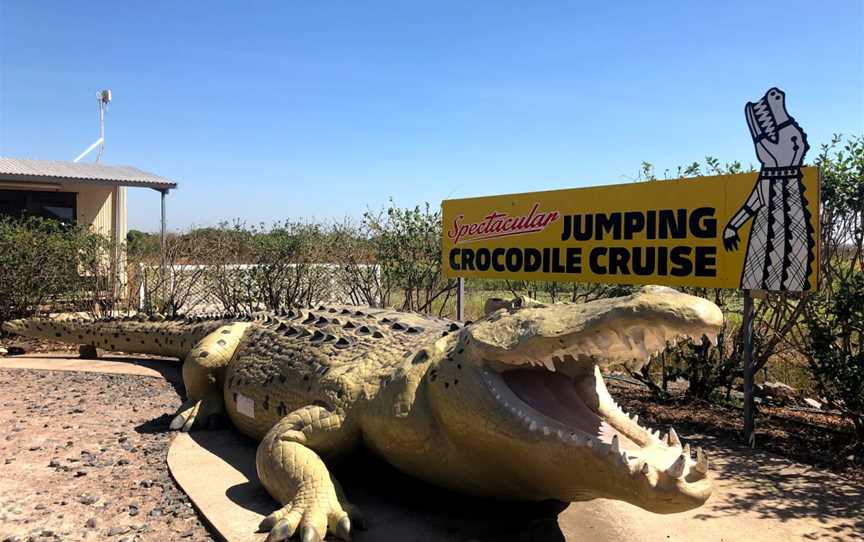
x=296, y=476
x=203, y=377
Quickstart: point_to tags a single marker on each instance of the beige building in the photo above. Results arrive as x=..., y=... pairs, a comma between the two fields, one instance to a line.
x=89, y=194
x=76, y=193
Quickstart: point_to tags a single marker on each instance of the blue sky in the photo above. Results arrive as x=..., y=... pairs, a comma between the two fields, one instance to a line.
x=326, y=109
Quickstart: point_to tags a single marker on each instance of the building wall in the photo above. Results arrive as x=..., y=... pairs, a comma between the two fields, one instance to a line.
x=94, y=206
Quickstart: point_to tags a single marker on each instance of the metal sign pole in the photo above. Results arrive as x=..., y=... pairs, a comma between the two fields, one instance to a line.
x=747, y=360
x=460, y=299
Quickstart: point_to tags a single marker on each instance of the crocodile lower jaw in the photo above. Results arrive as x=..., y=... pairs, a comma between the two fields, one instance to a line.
x=580, y=412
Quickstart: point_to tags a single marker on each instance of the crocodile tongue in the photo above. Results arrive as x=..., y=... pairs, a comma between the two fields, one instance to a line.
x=558, y=397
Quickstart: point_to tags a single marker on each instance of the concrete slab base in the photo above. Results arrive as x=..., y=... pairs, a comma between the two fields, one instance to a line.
x=167, y=368
x=216, y=469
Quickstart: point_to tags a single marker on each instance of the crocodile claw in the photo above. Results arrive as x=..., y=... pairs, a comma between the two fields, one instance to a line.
x=309, y=534
x=280, y=532
x=198, y=414
x=343, y=529
x=186, y=415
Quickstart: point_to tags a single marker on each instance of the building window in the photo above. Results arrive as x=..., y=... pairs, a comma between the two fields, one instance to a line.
x=56, y=205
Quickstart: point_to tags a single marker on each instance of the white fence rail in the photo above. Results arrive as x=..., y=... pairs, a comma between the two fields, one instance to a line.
x=211, y=288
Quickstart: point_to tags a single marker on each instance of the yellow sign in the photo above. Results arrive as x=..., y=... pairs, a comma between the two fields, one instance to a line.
x=753, y=231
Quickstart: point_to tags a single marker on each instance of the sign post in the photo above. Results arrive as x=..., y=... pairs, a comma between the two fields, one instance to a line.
x=460, y=299
x=684, y=232
x=747, y=363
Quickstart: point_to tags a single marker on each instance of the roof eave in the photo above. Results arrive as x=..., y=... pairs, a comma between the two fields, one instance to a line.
x=155, y=185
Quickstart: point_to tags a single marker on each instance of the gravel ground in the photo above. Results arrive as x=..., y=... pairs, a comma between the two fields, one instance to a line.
x=82, y=457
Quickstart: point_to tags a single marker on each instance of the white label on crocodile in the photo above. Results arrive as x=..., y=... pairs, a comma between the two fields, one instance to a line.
x=245, y=406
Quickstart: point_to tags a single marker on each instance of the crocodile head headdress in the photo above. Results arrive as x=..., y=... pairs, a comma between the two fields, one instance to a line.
x=521, y=392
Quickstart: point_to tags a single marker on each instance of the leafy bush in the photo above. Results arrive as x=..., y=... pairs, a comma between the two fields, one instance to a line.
x=406, y=246
x=173, y=281
x=47, y=265
x=291, y=265
x=834, y=349
x=831, y=334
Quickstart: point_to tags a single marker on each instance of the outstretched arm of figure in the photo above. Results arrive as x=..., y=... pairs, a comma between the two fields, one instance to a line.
x=745, y=213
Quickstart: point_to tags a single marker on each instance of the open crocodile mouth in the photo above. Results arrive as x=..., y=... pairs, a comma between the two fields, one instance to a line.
x=579, y=411
x=541, y=365
x=556, y=396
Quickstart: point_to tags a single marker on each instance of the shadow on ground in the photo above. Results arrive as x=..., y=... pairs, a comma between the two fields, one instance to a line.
x=772, y=487
x=398, y=507
x=758, y=492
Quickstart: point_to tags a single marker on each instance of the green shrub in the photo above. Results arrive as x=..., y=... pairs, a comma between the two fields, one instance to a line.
x=834, y=350
x=48, y=265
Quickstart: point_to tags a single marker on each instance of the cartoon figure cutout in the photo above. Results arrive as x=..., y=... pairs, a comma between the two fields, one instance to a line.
x=780, y=250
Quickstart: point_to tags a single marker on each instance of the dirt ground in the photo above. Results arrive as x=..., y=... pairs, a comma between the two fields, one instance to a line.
x=83, y=457
x=821, y=440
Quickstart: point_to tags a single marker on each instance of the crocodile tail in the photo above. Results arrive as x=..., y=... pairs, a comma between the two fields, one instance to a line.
x=134, y=335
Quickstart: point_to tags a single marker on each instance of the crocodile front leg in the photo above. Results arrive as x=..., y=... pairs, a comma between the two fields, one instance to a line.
x=203, y=375
x=296, y=476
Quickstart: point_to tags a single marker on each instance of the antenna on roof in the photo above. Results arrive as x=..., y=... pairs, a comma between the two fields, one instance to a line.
x=104, y=98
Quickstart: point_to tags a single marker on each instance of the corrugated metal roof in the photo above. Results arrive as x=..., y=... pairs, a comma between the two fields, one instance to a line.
x=20, y=170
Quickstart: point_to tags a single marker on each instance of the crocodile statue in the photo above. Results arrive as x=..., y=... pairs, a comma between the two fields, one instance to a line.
x=512, y=406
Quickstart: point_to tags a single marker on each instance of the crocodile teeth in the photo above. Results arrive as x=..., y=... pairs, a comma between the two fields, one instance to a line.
x=673, y=439
x=533, y=426
x=635, y=419
x=701, y=461
x=546, y=430
x=549, y=364
x=687, y=450
x=677, y=468
x=614, y=447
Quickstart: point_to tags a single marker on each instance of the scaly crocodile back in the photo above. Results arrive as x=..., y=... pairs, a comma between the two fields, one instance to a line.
x=333, y=356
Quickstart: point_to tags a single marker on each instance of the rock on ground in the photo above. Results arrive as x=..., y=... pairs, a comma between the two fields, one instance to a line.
x=82, y=457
